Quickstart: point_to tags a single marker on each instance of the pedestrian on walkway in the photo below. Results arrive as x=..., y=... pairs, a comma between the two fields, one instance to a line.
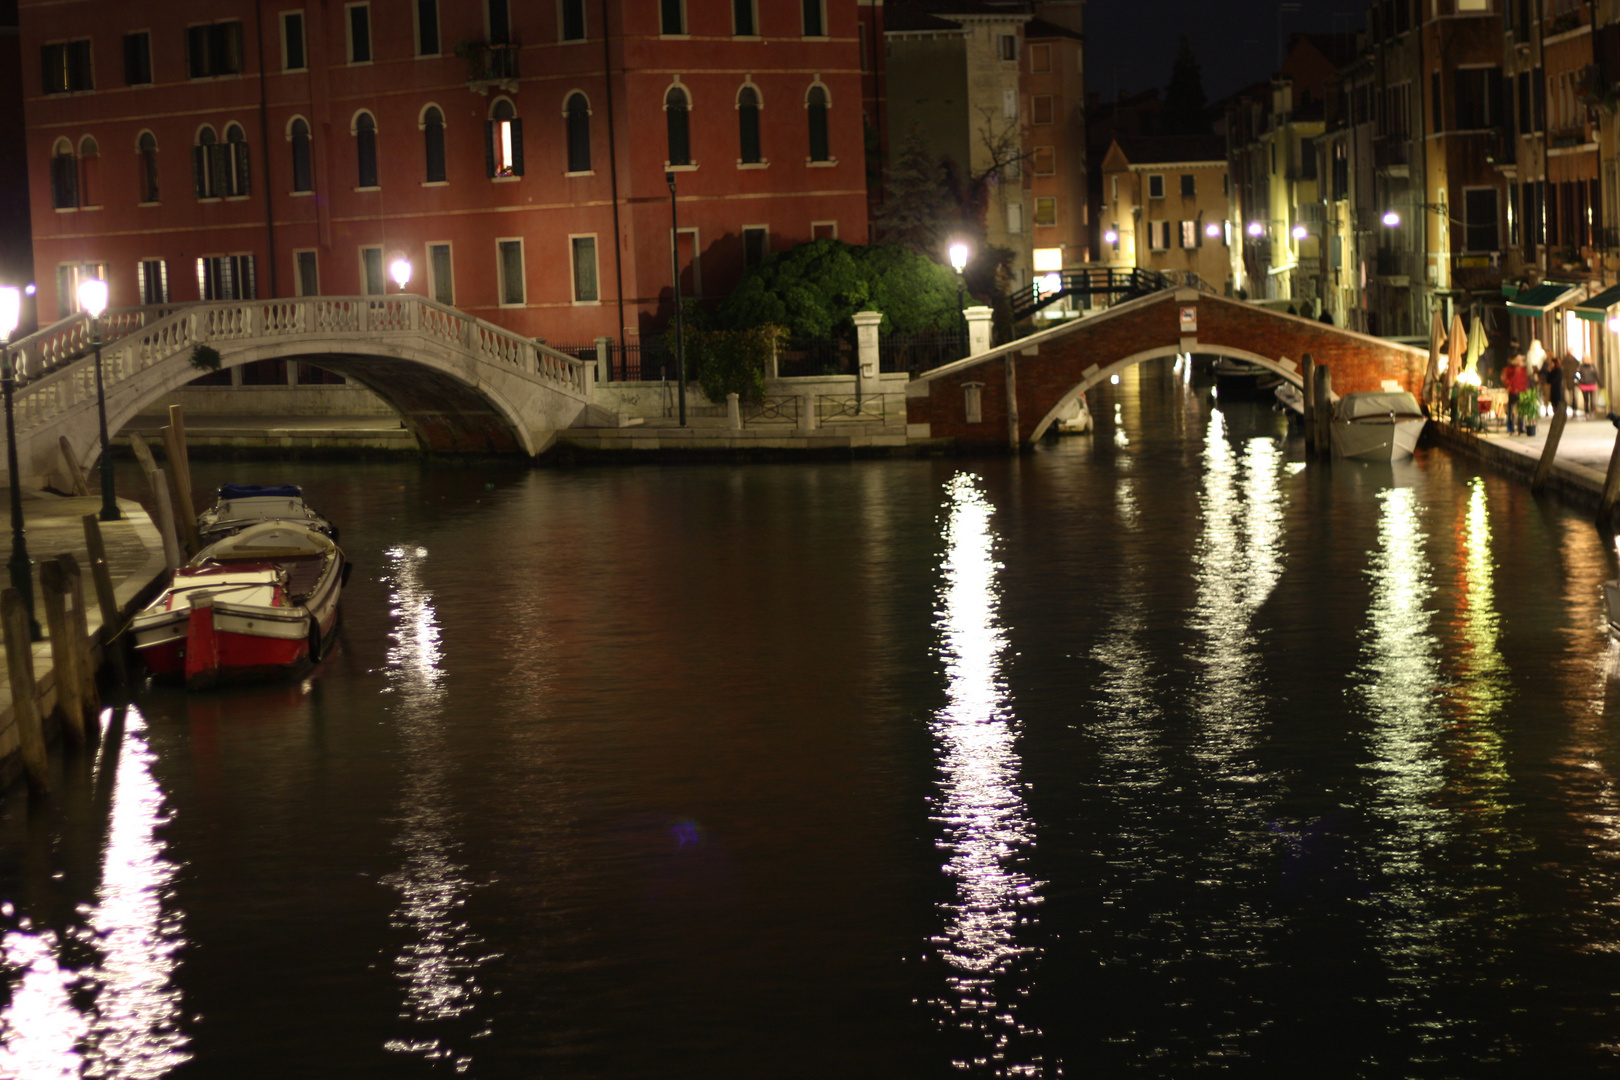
x=1552, y=380
x=1515, y=380
x=1586, y=381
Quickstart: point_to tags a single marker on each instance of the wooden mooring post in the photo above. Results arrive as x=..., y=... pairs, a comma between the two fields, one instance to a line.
x=24, y=711
x=79, y=619
x=106, y=598
x=1324, y=412
x=64, y=657
x=1307, y=367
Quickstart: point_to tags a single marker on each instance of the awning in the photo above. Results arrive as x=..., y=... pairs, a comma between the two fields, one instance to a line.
x=1538, y=301
x=1596, y=308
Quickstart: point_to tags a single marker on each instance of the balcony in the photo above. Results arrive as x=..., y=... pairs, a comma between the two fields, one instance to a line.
x=1392, y=155
x=490, y=66
x=1392, y=267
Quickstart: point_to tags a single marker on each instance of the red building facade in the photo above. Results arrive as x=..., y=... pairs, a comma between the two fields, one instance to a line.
x=515, y=154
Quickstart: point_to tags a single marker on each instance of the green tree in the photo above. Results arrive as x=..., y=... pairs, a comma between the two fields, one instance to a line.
x=917, y=211
x=1184, y=101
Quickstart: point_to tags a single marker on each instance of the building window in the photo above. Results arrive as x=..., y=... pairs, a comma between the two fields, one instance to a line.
x=1479, y=212
x=1015, y=218
x=365, y=145
x=307, y=275
x=146, y=150
x=427, y=27
x=1478, y=99
x=152, y=278
x=1045, y=211
x=207, y=165
x=359, y=33
x=292, y=41
x=441, y=282
x=1040, y=109
x=226, y=277
x=503, y=141
x=585, y=290
x=578, y=118
x=67, y=67
x=510, y=268
x=1044, y=161
x=744, y=19
x=298, y=135
x=1155, y=186
x=89, y=173
x=815, y=104
x=433, y=143
x=236, y=162
x=815, y=18
x=1189, y=235
x=214, y=49
x=138, y=59
x=499, y=17
x=64, y=176
x=671, y=17
x=1189, y=186
x=748, y=145
x=1007, y=47
x=824, y=230
x=572, y=18
x=68, y=277
x=676, y=108
x=756, y=244
x=1158, y=235
x=1040, y=58
x=372, y=281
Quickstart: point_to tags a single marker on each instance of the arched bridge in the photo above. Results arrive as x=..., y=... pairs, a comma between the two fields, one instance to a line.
x=1009, y=396
x=462, y=385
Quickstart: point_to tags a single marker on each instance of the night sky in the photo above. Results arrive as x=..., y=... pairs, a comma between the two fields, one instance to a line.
x=1132, y=43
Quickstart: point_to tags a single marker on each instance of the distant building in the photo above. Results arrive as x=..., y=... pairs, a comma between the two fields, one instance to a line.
x=1165, y=207
x=1055, y=167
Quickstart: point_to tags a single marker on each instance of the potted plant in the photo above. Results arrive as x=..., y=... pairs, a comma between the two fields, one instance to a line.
x=1529, y=406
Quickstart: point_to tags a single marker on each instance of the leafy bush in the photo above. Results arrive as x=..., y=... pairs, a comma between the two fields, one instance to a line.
x=732, y=361
x=205, y=358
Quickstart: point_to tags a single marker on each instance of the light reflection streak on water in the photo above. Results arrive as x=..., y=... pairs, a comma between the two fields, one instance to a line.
x=132, y=1029
x=986, y=832
x=1481, y=682
x=438, y=967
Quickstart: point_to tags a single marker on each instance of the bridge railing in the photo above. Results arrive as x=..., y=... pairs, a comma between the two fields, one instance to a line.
x=50, y=384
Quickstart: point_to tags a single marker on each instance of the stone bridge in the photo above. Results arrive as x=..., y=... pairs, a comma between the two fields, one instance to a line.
x=462, y=385
x=1007, y=397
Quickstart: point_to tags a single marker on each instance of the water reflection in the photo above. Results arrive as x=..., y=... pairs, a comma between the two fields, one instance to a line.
x=438, y=965
x=986, y=832
x=130, y=1024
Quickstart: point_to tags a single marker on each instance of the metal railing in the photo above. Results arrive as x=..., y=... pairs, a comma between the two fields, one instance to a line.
x=1119, y=282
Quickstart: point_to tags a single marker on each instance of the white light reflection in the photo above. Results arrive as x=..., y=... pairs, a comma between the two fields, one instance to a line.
x=986, y=832
x=438, y=967
x=132, y=1027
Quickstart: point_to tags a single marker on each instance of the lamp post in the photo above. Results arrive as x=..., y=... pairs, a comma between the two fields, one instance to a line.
x=680, y=331
x=93, y=299
x=959, y=261
x=22, y=578
x=400, y=271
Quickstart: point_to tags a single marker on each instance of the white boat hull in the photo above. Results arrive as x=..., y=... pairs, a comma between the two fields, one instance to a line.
x=1376, y=439
x=1611, y=602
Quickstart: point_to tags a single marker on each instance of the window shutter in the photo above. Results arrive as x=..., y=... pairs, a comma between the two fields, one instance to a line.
x=199, y=170
x=243, y=187
x=489, y=148
x=517, y=145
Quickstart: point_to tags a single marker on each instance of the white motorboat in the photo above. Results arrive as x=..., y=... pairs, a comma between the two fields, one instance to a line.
x=236, y=506
x=1378, y=425
x=1291, y=400
x=1076, y=418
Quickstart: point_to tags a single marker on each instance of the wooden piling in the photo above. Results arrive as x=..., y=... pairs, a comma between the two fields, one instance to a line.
x=182, y=462
x=106, y=598
x=173, y=558
x=1324, y=412
x=1555, y=433
x=24, y=711
x=185, y=519
x=1611, y=483
x=143, y=454
x=1307, y=367
x=64, y=658
x=75, y=471
x=1013, y=441
x=79, y=623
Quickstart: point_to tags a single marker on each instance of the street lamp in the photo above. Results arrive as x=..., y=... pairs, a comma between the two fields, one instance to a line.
x=1256, y=229
x=93, y=299
x=400, y=271
x=959, y=261
x=22, y=578
x=680, y=330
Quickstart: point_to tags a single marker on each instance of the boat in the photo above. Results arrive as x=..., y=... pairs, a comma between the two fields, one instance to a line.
x=1291, y=400
x=258, y=603
x=1241, y=379
x=1076, y=417
x=1376, y=425
x=236, y=506
x=1611, y=601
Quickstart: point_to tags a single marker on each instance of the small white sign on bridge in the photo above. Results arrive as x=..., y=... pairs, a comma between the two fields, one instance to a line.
x=1189, y=320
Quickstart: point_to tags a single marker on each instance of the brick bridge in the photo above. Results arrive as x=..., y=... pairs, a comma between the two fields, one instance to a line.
x=1044, y=373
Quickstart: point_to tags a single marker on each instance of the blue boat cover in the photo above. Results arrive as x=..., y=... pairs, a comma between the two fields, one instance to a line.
x=255, y=491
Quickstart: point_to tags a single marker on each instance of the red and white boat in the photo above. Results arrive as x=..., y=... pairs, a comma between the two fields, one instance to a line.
x=258, y=603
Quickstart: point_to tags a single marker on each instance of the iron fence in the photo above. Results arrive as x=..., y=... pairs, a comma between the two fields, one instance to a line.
x=773, y=408
x=919, y=352
x=815, y=356
x=849, y=408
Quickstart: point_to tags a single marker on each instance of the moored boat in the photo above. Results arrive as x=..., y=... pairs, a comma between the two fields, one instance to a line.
x=258, y=603
x=1378, y=425
x=236, y=506
x=1241, y=379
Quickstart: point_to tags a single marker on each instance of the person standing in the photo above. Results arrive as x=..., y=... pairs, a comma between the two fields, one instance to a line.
x=1552, y=381
x=1515, y=380
x=1586, y=381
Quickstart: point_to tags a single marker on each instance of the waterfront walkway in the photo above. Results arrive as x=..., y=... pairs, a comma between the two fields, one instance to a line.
x=1578, y=471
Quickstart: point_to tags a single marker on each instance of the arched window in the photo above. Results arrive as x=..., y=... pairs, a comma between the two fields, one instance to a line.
x=146, y=150
x=748, y=126
x=365, y=146
x=64, y=176
x=815, y=104
x=677, y=107
x=433, y=143
x=298, y=135
x=89, y=171
x=236, y=161
x=578, y=111
x=207, y=165
x=503, y=141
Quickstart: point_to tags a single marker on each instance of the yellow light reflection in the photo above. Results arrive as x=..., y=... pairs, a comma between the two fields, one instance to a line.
x=132, y=1026
x=980, y=808
x=438, y=967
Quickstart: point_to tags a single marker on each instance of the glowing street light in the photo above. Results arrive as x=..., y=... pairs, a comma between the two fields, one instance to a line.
x=93, y=299
x=959, y=261
x=1212, y=230
x=959, y=257
x=1298, y=232
x=1391, y=218
x=1111, y=236
x=400, y=271
x=1256, y=229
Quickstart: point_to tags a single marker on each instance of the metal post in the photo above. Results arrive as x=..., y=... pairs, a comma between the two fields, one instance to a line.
x=109, y=501
x=961, y=312
x=680, y=332
x=22, y=578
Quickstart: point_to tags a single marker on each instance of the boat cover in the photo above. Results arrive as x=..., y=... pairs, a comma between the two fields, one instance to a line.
x=1376, y=404
x=257, y=491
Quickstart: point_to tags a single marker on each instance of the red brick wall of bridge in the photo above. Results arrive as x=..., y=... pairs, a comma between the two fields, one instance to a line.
x=1356, y=362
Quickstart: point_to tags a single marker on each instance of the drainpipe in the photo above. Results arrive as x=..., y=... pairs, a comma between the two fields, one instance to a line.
x=264, y=150
x=613, y=176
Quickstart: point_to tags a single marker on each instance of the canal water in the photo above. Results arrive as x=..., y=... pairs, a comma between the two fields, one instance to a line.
x=1151, y=753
